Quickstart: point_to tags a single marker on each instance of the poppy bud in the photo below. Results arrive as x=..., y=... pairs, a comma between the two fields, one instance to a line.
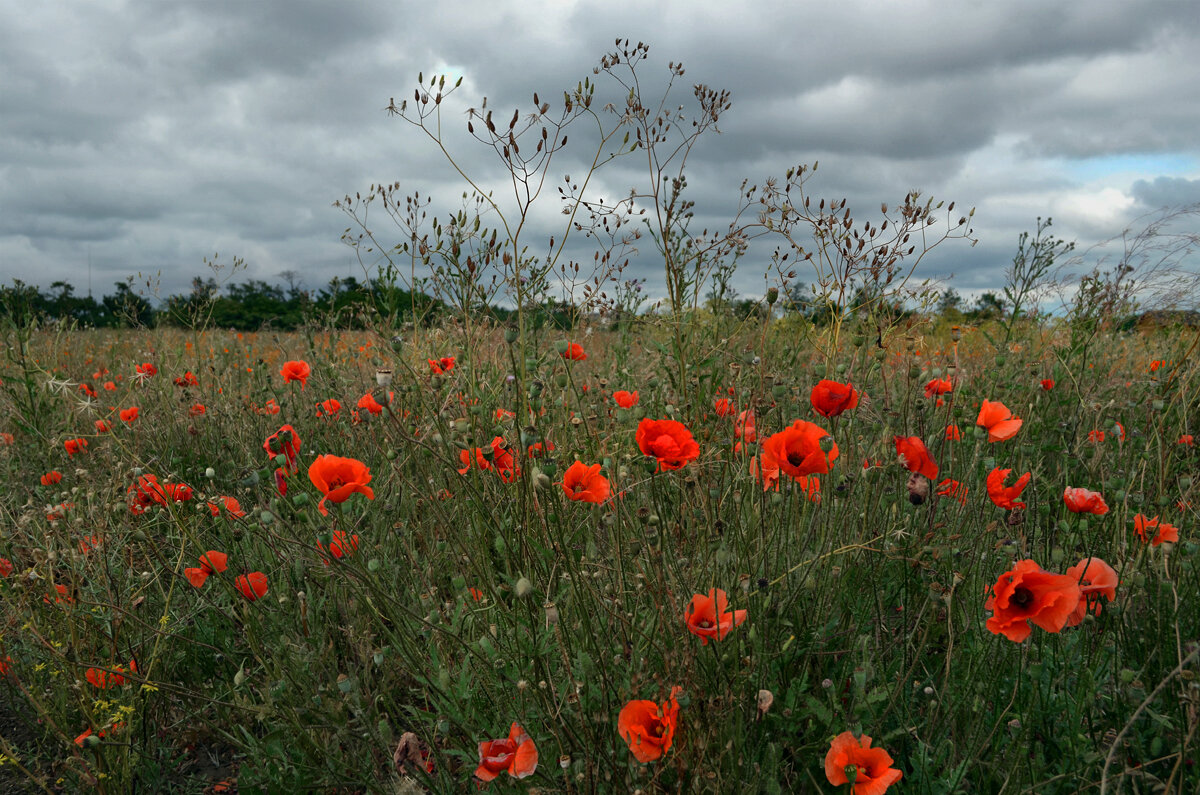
x=91, y=741
x=857, y=340
x=266, y=517
x=1185, y=482
x=826, y=444
x=210, y=473
x=510, y=335
x=239, y=677
x=561, y=346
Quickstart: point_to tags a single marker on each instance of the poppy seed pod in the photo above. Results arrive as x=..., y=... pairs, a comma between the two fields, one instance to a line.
x=918, y=488
x=524, y=587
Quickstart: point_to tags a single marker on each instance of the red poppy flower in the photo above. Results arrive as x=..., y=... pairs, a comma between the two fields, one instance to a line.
x=146, y=369
x=538, y=449
x=211, y=562
x=102, y=679
x=625, y=400
x=1187, y=439
x=197, y=409
x=6, y=438
x=829, y=398
x=1162, y=532
x=938, y=386
x=441, y=366
x=6, y=567
x=953, y=489
x=52, y=477
x=502, y=460
x=337, y=478
x=953, y=434
x=1095, y=436
x=296, y=371
x=472, y=456
x=1047, y=384
x=270, y=408
x=768, y=477
x=1156, y=364
x=999, y=421
x=708, y=616
x=1027, y=593
x=1006, y=496
x=872, y=767
x=329, y=408
x=187, y=379
x=340, y=546
x=574, y=352
x=1084, y=501
x=668, y=441
x=253, y=586
x=369, y=403
x=88, y=390
x=797, y=450
x=744, y=429
x=232, y=506
x=74, y=446
x=109, y=386
x=583, y=483
x=724, y=407
x=129, y=415
x=915, y=456
x=286, y=441
x=102, y=426
x=6, y=666
x=1096, y=579
x=476, y=594
x=515, y=755
x=649, y=728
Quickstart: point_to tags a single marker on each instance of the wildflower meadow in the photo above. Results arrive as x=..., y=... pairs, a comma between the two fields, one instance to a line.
x=673, y=551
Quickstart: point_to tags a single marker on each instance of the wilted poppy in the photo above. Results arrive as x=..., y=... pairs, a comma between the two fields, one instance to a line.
x=999, y=421
x=953, y=489
x=584, y=483
x=285, y=441
x=129, y=415
x=871, y=767
x=1084, y=501
x=50, y=478
x=625, y=400
x=516, y=755
x=915, y=455
x=296, y=371
x=709, y=617
x=253, y=586
x=829, y=398
x=74, y=446
x=938, y=386
x=1154, y=532
x=337, y=478
x=211, y=562
x=801, y=449
x=1006, y=496
x=1027, y=593
x=1096, y=579
x=574, y=352
x=340, y=546
x=668, y=441
x=648, y=728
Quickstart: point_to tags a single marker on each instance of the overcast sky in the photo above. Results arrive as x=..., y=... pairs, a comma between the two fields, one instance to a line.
x=147, y=135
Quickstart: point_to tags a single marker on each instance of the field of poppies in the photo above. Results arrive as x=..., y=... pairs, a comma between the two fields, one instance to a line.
x=351, y=562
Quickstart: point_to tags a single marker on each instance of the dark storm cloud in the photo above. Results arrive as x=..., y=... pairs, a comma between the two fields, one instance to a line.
x=152, y=134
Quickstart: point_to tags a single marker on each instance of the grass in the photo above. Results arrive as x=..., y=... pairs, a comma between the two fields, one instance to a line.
x=474, y=601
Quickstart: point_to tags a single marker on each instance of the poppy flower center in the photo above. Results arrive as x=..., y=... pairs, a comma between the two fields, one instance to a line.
x=1022, y=597
x=795, y=458
x=704, y=623
x=336, y=483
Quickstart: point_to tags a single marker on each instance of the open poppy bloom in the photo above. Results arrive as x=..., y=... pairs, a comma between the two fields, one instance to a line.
x=51, y=477
x=1047, y=384
x=1084, y=501
x=574, y=352
x=286, y=441
x=197, y=410
x=625, y=400
x=148, y=491
x=768, y=477
x=583, y=483
x=999, y=421
x=340, y=546
x=708, y=616
x=724, y=407
x=515, y=755
x=129, y=415
x=829, y=398
x=369, y=403
x=1095, y=436
x=103, y=679
x=102, y=426
x=253, y=586
x=502, y=460
x=1096, y=579
x=744, y=429
x=915, y=455
x=337, y=478
x=441, y=366
x=187, y=379
x=74, y=446
x=329, y=408
x=1006, y=496
x=872, y=767
x=797, y=450
x=1027, y=593
x=296, y=371
x=938, y=386
x=6, y=567
x=648, y=728
x=145, y=370
x=211, y=562
x=1154, y=532
x=668, y=441
x=953, y=434
x=1186, y=439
